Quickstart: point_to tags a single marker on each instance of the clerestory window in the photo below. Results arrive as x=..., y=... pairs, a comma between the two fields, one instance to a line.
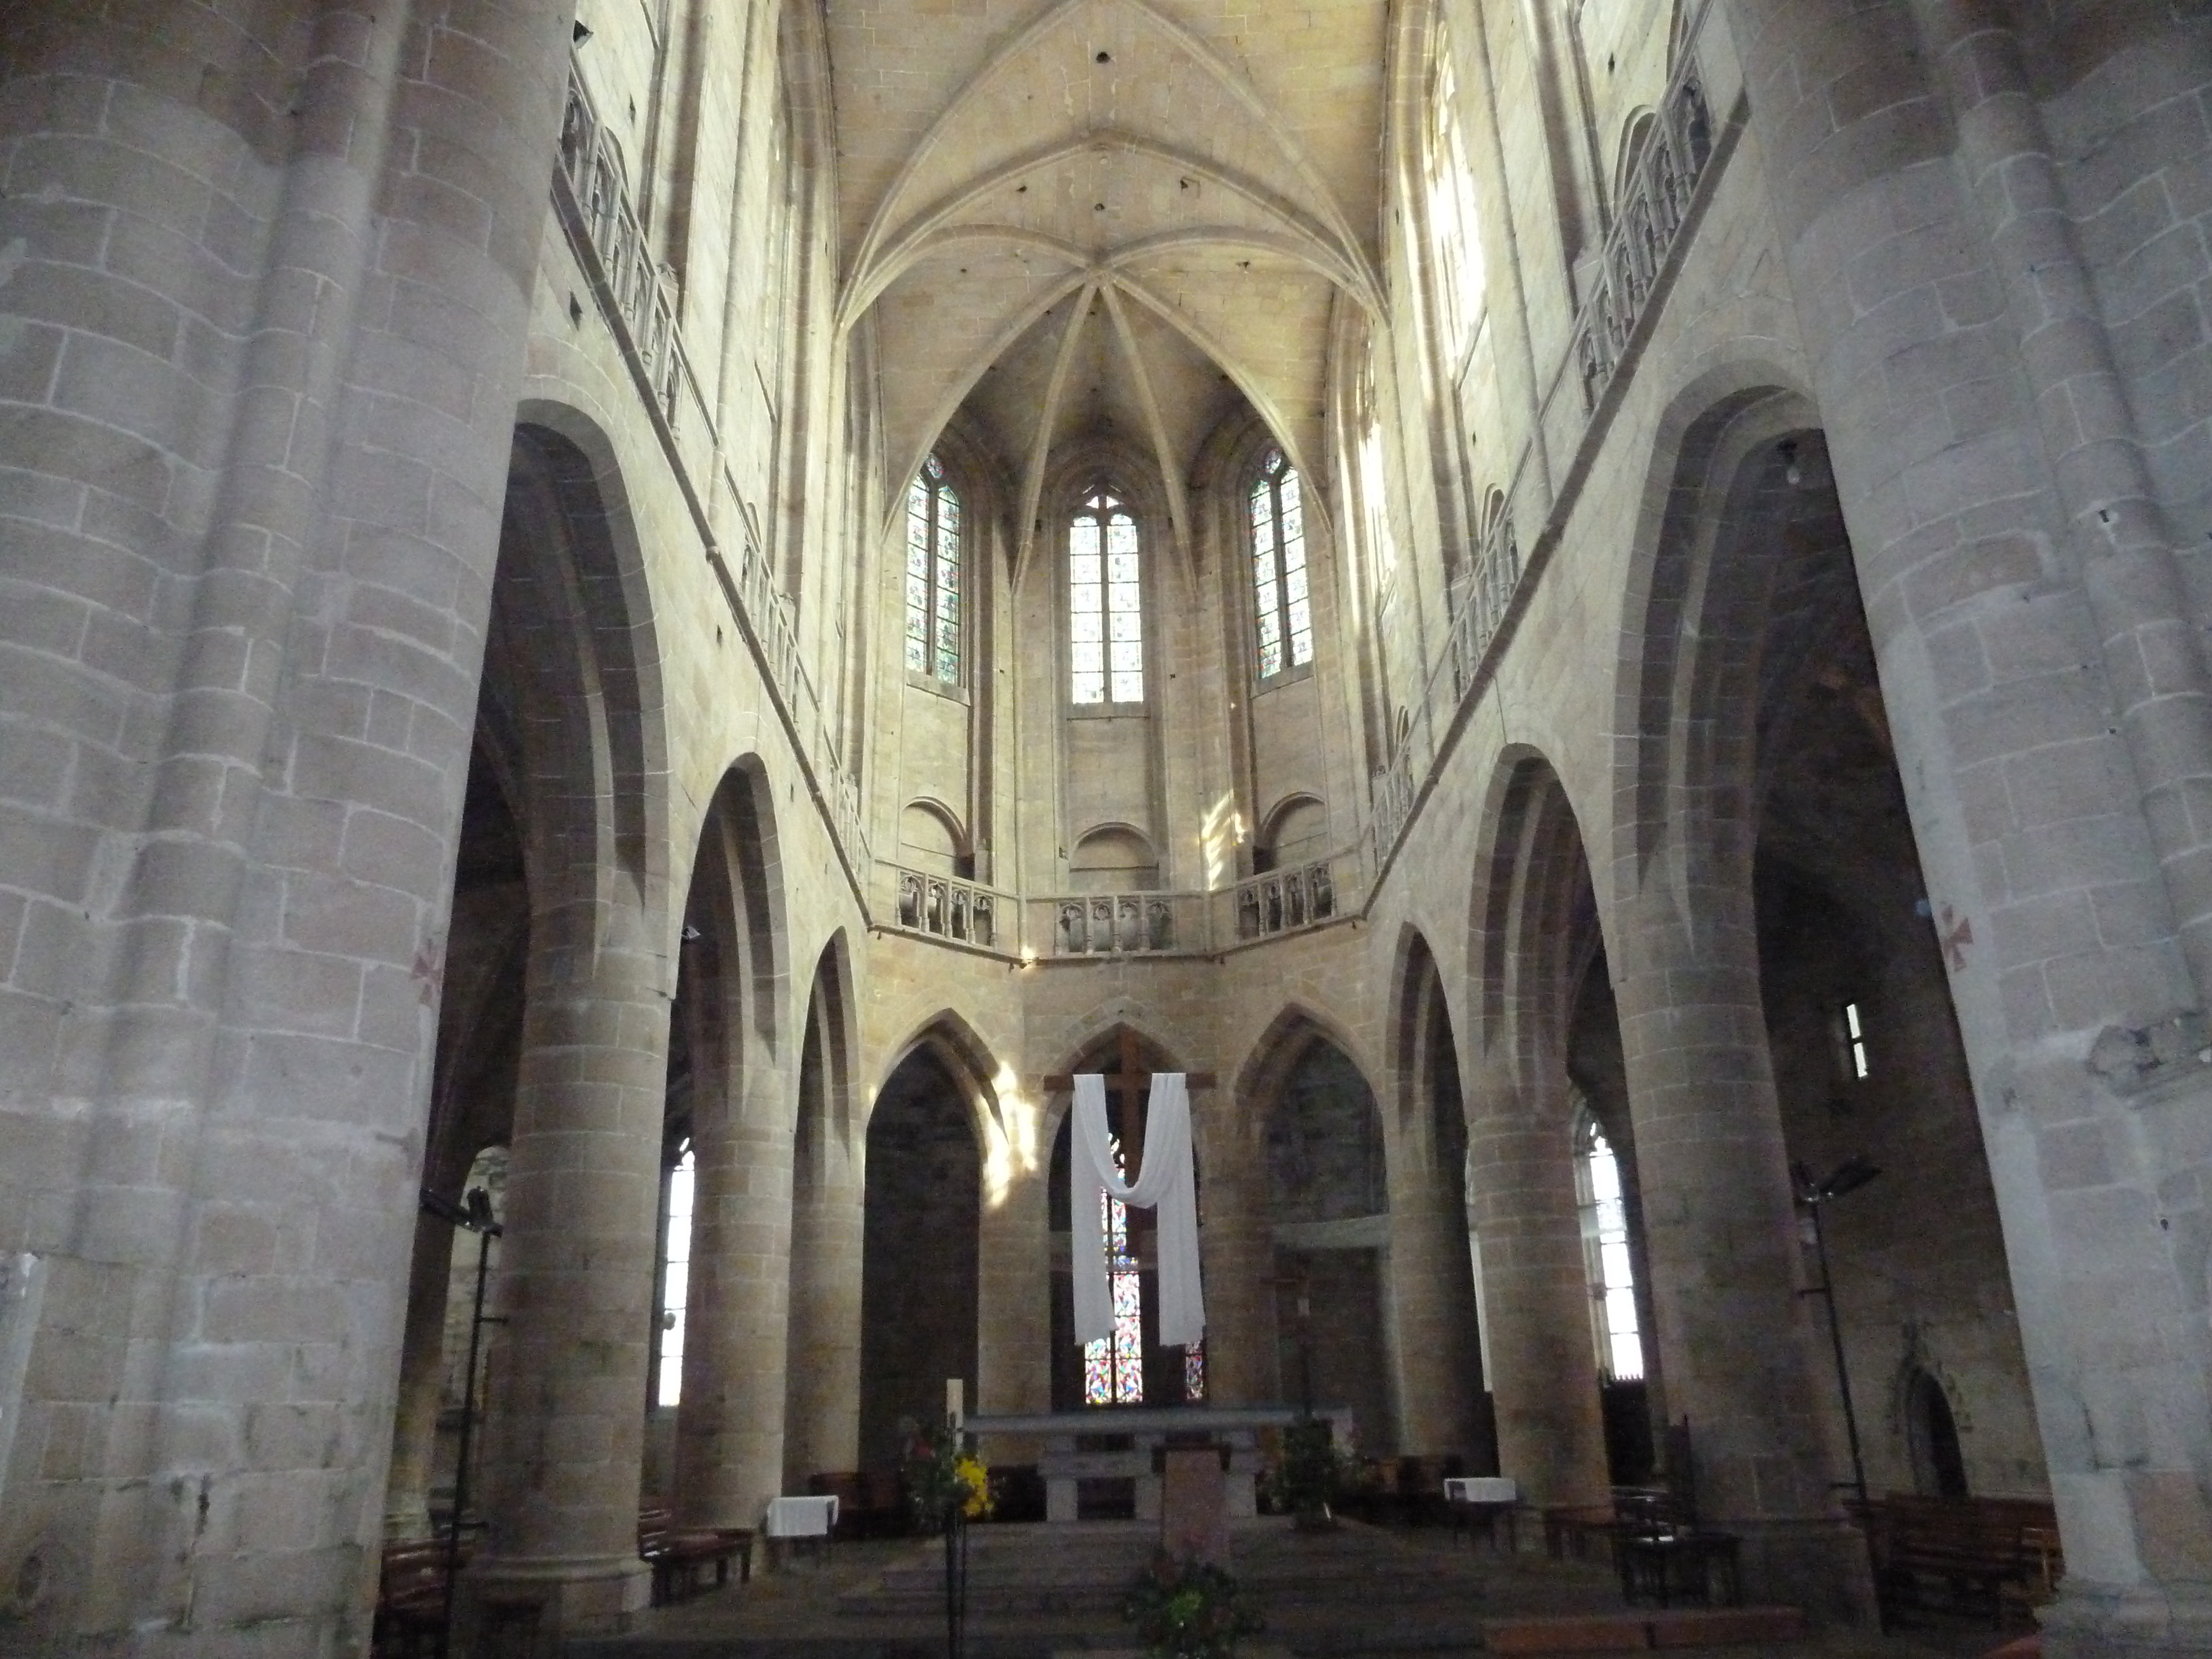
x=1605, y=1255
x=1281, y=604
x=933, y=638
x=675, y=1275
x=1105, y=612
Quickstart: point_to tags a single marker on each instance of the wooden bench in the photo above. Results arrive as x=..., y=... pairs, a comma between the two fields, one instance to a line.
x=678, y=1555
x=410, y=1599
x=1979, y=1555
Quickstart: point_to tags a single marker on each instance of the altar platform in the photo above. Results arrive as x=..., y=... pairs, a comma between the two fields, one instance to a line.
x=1042, y=1590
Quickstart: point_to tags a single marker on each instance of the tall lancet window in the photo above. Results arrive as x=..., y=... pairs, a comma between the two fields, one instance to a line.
x=1113, y=1366
x=1605, y=1254
x=1454, y=223
x=932, y=575
x=676, y=1276
x=1281, y=604
x=1105, y=613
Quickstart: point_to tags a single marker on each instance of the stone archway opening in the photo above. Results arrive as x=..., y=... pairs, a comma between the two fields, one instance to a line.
x=1328, y=1206
x=918, y=1257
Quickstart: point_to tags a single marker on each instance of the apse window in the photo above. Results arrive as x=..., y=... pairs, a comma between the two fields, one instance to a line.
x=1105, y=614
x=1113, y=1366
x=1854, y=1043
x=676, y=1276
x=933, y=576
x=1605, y=1255
x=1282, y=605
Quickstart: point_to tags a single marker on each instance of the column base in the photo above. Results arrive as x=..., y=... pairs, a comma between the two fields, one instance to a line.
x=1819, y=1564
x=2090, y=1621
x=551, y=1598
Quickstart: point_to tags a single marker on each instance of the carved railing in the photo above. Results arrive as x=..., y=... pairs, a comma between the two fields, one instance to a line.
x=1285, y=901
x=1391, y=801
x=1122, y=924
x=1068, y=926
x=1481, y=601
x=1654, y=208
x=638, y=298
x=950, y=908
x=1626, y=281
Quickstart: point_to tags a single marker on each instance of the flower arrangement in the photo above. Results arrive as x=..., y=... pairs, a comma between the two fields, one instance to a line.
x=1186, y=1608
x=945, y=1475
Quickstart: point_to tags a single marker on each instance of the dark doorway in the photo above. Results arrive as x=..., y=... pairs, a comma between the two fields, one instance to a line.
x=1939, y=1467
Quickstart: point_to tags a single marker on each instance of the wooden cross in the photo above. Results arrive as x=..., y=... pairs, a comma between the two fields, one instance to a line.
x=1132, y=1085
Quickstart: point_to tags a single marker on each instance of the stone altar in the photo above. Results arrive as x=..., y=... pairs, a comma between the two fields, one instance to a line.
x=1148, y=1431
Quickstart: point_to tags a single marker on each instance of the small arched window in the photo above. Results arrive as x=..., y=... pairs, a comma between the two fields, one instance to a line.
x=1605, y=1254
x=1281, y=604
x=933, y=637
x=1105, y=610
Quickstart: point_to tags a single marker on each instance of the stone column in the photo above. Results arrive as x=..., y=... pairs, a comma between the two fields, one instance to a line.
x=1986, y=430
x=1014, y=1292
x=729, y=1422
x=1742, y=1359
x=1432, y=1303
x=565, y=1435
x=822, y=1409
x=1542, y=1368
x=1237, y=1251
x=232, y=261
x=421, y=1377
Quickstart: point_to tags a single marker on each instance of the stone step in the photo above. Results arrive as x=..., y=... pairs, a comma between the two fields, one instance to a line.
x=1643, y=1630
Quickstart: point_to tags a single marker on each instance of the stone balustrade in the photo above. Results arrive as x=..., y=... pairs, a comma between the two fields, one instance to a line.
x=1625, y=283
x=591, y=197
x=957, y=910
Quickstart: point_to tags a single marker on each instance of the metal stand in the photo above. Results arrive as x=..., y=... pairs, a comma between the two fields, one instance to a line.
x=1816, y=1195
x=956, y=1581
x=473, y=1215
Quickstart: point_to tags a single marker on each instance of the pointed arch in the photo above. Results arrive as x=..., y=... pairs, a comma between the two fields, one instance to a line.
x=1685, y=641
x=573, y=619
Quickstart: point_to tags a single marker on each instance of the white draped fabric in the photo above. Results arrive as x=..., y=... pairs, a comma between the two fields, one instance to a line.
x=1166, y=1181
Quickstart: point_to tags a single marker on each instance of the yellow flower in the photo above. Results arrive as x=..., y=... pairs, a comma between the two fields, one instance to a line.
x=971, y=1475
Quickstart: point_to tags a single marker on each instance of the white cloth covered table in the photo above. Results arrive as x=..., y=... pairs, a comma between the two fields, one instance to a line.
x=801, y=1517
x=1165, y=1180
x=1481, y=1489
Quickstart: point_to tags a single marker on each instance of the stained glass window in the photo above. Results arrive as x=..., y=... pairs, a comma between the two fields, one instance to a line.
x=1194, y=1373
x=676, y=1277
x=1105, y=613
x=932, y=575
x=1282, y=605
x=1113, y=1366
x=1605, y=1255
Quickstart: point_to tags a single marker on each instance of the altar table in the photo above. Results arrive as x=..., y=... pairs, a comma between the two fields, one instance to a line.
x=1144, y=1433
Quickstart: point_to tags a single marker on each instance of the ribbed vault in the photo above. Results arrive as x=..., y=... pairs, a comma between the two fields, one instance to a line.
x=1106, y=216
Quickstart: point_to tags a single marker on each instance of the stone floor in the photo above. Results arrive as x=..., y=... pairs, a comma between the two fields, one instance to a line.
x=1038, y=1592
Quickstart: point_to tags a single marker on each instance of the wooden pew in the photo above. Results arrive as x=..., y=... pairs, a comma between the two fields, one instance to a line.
x=677, y=1554
x=1979, y=1555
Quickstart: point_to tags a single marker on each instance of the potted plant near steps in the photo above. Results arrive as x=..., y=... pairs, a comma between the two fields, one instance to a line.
x=1308, y=1476
x=1186, y=1608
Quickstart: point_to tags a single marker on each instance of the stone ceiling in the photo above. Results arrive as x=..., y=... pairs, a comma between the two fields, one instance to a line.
x=1077, y=217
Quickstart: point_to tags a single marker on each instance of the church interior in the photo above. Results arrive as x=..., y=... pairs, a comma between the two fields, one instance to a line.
x=631, y=631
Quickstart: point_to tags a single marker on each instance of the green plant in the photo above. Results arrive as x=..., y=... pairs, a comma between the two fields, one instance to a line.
x=1310, y=1471
x=1186, y=1608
